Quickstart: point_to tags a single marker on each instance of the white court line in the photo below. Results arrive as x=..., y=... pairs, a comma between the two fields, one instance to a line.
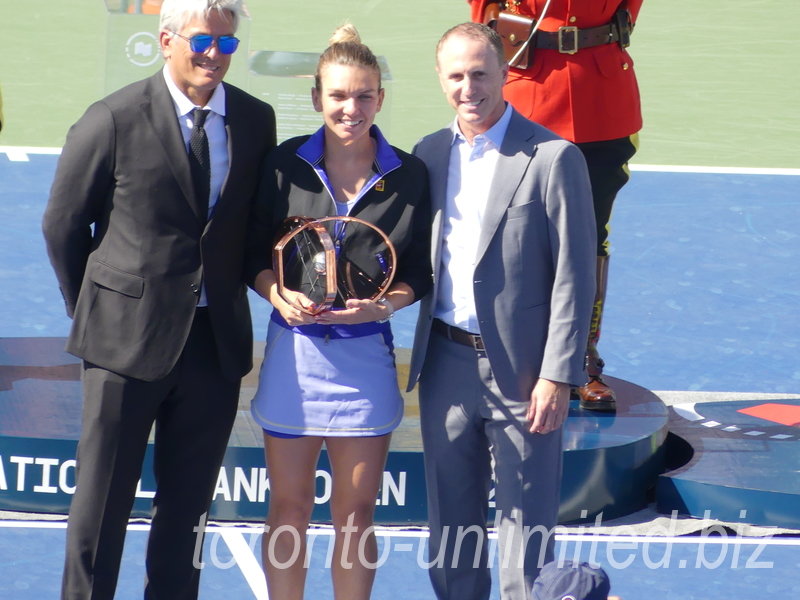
x=244, y=557
x=684, y=539
x=20, y=153
x=713, y=170
x=60, y=525
x=423, y=533
x=35, y=524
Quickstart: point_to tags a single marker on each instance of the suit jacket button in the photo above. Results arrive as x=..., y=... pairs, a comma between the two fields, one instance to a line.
x=195, y=288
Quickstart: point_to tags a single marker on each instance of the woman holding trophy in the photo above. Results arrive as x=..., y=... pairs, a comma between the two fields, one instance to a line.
x=348, y=217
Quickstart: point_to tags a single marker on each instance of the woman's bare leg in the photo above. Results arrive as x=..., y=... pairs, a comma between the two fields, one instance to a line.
x=292, y=467
x=357, y=465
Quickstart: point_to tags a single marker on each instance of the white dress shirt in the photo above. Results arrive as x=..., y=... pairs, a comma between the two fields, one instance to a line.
x=469, y=180
x=217, y=139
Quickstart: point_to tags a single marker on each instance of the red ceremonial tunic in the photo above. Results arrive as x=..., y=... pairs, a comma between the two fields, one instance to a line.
x=588, y=96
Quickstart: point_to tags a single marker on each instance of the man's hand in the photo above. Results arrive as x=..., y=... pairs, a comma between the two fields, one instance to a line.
x=549, y=406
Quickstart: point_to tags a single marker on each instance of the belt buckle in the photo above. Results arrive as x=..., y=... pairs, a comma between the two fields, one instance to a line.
x=477, y=343
x=564, y=29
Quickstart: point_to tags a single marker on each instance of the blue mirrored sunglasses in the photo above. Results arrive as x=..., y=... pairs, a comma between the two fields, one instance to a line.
x=227, y=44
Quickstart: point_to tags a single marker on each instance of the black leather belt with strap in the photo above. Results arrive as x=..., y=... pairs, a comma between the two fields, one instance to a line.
x=568, y=39
x=457, y=335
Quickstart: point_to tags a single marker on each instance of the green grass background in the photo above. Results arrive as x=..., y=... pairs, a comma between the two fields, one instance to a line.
x=719, y=78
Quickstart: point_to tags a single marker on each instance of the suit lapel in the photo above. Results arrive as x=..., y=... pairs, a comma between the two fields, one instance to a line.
x=159, y=111
x=438, y=159
x=516, y=153
x=438, y=175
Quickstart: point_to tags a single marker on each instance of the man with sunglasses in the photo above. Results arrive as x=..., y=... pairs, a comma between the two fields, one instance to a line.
x=145, y=229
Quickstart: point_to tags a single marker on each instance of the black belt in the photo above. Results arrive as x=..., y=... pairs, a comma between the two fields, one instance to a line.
x=568, y=39
x=457, y=335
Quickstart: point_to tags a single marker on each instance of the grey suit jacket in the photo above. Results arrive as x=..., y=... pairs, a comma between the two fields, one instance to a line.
x=535, y=263
x=128, y=240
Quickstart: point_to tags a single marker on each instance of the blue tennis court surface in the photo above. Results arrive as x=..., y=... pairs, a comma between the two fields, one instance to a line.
x=666, y=568
x=703, y=291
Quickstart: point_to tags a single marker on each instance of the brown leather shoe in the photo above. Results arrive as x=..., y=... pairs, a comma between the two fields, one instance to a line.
x=596, y=395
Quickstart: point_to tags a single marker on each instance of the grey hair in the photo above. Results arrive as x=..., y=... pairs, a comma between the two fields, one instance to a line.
x=177, y=14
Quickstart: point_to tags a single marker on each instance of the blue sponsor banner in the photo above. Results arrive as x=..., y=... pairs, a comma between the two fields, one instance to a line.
x=38, y=475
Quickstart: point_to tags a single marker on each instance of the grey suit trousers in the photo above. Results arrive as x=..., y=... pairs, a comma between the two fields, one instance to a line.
x=469, y=431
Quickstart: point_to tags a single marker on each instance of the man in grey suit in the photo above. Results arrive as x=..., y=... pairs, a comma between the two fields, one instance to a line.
x=500, y=339
x=145, y=228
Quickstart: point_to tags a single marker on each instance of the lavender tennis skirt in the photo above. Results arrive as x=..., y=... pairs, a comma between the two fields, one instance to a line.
x=327, y=386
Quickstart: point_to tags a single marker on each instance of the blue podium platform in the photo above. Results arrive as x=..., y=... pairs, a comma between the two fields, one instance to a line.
x=610, y=460
x=742, y=464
